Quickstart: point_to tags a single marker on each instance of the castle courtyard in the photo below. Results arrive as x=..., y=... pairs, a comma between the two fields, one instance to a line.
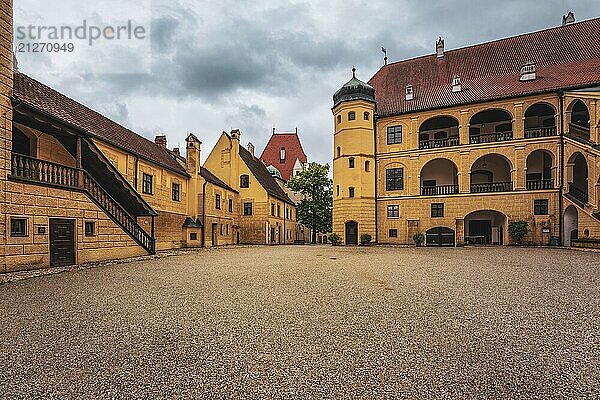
x=309, y=322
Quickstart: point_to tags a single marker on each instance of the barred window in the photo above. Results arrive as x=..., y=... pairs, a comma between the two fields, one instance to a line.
x=147, y=183
x=247, y=208
x=394, y=134
x=18, y=227
x=244, y=181
x=393, y=211
x=394, y=179
x=175, y=191
x=351, y=116
x=393, y=233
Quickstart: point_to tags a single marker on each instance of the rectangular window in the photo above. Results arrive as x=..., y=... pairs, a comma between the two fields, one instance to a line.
x=244, y=181
x=282, y=155
x=351, y=163
x=247, y=208
x=193, y=236
x=227, y=229
x=394, y=179
x=175, y=191
x=540, y=207
x=218, y=201
x=351, y=116
x=351, y=192
x=393, y=233
x=394, y=134
x=437, y=210
x=230, y=205
x=147, y=183
x=393, y=211
x=18, y=227
x=221, y=230
x=278, y=210
x=90, y=228
x=272, y=209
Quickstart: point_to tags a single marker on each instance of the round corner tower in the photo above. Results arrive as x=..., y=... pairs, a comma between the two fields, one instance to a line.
x=354, y=161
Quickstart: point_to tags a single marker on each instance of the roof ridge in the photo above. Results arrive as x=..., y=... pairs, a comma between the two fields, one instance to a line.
x=568, y=26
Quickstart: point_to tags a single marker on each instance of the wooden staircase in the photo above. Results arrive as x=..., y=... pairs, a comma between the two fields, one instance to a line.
x=29, y=169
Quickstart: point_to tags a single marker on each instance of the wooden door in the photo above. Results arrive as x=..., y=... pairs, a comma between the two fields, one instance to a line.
x=62, y=242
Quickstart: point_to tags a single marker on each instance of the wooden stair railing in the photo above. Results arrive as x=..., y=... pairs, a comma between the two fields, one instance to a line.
x=35, y=170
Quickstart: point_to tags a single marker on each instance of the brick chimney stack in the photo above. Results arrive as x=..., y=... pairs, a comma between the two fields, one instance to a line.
x=161, y=140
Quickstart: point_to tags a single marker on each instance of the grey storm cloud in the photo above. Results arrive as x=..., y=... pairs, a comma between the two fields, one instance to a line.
x=255, y=65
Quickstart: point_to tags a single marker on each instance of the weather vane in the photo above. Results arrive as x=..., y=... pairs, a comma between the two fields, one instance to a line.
x=385, y=54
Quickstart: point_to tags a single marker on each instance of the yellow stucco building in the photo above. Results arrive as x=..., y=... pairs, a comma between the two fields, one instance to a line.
x=76, y=187
x=458, y=144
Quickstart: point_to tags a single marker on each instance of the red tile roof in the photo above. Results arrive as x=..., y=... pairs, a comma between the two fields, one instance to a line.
x=566, y=57
x=43, y=98
x=293, y=150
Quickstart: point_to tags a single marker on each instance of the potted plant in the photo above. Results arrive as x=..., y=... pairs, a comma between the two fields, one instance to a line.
x=365, y=239
x=517, y=231
x=334, y=238
x=419, y=239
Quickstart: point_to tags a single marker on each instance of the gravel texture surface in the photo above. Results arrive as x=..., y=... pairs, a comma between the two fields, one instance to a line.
x=309, y=322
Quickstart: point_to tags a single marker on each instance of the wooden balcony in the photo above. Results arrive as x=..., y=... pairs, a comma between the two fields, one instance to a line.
x=439, y=190
x=41, y=171
x=491, y=187
x=540, y=132
x=540, y=184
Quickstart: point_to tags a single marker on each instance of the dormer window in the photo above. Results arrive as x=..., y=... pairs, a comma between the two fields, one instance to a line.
x=456, y=86
x=282, y=155
x=528, y=72
x=351, y=116
x=409, y=93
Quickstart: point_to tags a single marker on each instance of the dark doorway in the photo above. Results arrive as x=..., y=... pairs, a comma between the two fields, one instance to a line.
x=440, y=236
x=62, y=242
x=351, y=233
x=482, y=230
x=214, y=234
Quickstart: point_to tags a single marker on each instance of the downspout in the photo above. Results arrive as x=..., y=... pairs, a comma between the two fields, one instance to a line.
x=284, y=218
x=204, y=214
x=135, y=175
x=561, y=95
x=375, y=175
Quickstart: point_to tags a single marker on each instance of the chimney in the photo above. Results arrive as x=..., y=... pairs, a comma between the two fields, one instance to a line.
x=409, y=93
x=439, y=47
x=176, y=151
x=161, y=140
x=528, y=72
x=273, y=131
x=568, y=19
x=456, y=86
x=192, y=154
x=251, y=148
x=235, y=134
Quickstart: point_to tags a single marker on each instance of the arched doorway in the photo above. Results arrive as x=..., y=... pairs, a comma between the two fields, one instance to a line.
x=579, y=124
x=485, y=227
x=571, y=225
x=540, y=121
x=439, y=177
x=577, y=172
x=490, y=126
x=491, y=173
x=540, y=171
x=351, y=233
x=438, y=132
x=439, y=236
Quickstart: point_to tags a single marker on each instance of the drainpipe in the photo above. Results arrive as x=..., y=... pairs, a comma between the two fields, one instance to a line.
x=561, y=95
x=375, y=175
x=135, y=175
x=284, y=217
x=203, y=213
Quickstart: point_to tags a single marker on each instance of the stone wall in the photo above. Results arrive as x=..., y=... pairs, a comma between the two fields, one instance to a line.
x=38, y=204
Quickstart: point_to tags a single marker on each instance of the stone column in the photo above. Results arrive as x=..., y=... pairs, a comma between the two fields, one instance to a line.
x=518, y=121
x=463, y=128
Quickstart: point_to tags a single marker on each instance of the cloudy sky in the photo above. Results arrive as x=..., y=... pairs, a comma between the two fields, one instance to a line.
x=211, y=66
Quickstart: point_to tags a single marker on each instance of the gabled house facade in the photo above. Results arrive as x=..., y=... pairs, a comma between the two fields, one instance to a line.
x=267, y=215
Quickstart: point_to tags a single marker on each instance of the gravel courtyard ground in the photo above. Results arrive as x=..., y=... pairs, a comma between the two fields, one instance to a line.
x=309, y=322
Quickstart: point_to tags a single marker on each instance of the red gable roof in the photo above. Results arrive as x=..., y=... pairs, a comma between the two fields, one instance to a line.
x=566, y=57
x=48, y=100
x=293, y=149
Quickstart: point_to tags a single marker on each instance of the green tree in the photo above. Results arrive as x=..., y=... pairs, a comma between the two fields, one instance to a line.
x=315, y=209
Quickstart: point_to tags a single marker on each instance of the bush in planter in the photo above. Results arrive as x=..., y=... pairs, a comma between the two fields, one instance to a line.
x=419, y=239
x=334, y=238
x=365, y=239
x=517, y=231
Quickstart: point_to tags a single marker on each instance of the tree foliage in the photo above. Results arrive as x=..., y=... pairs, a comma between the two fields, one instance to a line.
x=315, y=210
x=517, y=230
